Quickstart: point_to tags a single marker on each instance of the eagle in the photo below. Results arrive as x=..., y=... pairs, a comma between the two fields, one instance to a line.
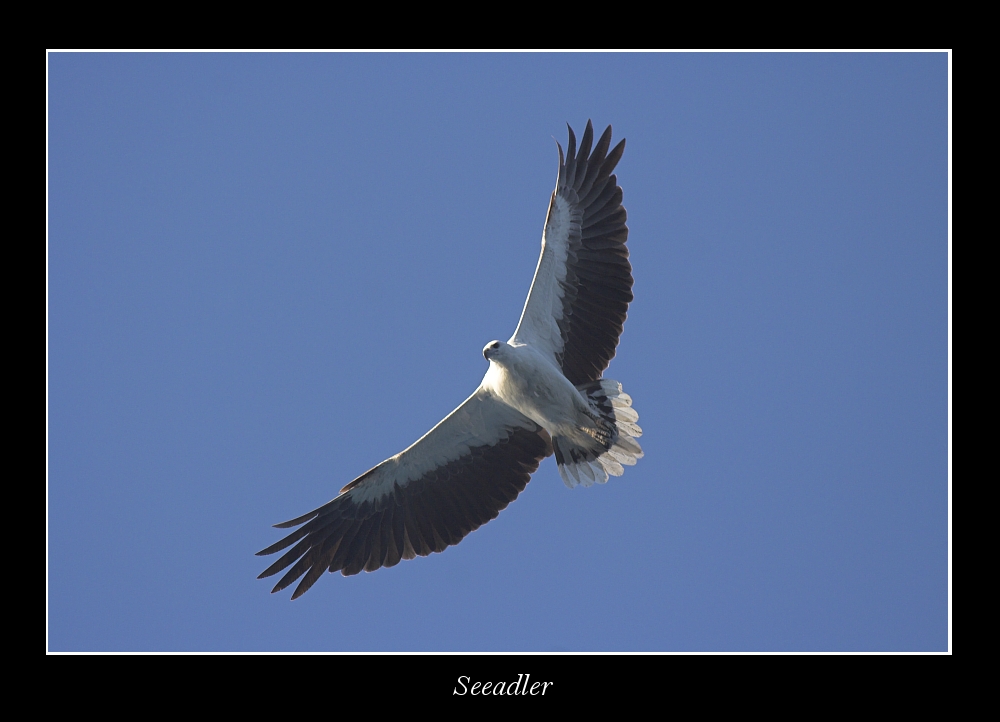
x=543, y=394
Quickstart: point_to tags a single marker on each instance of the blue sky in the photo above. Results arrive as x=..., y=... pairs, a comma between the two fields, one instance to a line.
x=268, y=272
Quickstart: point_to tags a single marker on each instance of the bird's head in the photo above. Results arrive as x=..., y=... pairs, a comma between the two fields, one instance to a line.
x=491, y=349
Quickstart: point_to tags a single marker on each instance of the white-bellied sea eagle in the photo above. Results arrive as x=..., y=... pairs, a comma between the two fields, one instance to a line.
x=543, y=394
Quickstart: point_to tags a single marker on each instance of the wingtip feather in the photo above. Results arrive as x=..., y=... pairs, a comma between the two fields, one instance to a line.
x=586, y=141
x=296, y=521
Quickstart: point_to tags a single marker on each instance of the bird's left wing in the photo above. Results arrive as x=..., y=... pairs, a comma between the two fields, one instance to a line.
x=583, y=283
x=457, y=477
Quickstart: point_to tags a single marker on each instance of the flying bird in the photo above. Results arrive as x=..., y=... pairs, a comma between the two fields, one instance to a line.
x=542, y=394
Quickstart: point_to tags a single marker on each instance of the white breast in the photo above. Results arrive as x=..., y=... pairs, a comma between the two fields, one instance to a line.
x=526, y=380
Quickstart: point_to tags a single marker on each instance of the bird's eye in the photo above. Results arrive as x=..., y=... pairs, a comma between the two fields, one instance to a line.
x=495, y=345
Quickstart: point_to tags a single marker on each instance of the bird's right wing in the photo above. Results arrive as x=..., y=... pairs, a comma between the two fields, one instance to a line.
x=454, y=479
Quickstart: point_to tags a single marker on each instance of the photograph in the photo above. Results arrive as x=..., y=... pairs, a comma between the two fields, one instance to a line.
x=498, y=352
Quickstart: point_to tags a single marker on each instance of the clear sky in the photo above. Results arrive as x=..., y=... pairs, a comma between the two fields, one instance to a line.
x=267, y=273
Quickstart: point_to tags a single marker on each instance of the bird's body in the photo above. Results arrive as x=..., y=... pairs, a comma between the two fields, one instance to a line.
x=523, y=378
x=542, y=394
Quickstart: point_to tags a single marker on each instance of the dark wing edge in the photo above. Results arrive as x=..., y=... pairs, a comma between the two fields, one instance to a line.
x=426, y=515
x=598, y=285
